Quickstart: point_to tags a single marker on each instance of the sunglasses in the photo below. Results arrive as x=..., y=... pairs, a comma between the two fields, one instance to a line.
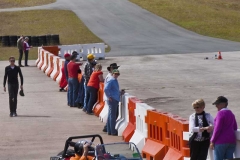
x=12, y=60
x=196, y=107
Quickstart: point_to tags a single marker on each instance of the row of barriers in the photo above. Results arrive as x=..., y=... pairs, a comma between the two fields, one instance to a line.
x=158, y=135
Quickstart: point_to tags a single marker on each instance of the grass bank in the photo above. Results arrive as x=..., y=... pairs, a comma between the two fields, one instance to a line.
x=23, y=3
x=215, y=18
x=41, y=22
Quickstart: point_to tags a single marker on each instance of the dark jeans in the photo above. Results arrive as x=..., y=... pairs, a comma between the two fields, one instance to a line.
x=73, y=91
x=20, y=57
x=26, y=57
x=91, y=98
x=105, y=127
x=13, y=92
x=199, y=150
x=81, y=92
x=111, y=120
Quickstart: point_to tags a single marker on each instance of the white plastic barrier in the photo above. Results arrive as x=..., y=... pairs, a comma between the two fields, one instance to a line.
x=141, y=131
x=61, y=64
x=45, y=63
x=50, y=55
x=123, y=121
x=104, y=113
x=55, y=59
x=38, y=59
x=41, y=58
x=186, y=136
x=98, y=49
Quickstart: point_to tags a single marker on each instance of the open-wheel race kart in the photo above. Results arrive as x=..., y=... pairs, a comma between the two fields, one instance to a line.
x=99, y=150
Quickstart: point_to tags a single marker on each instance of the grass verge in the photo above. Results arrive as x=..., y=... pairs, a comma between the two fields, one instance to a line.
x=215, y=18
x=41, y=22
x=23, y=3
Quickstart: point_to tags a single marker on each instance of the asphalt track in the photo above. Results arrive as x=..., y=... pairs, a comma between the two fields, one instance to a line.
x=131, y=30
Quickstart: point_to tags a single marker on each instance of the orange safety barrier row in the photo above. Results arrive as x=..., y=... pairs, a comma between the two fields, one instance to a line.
x=165, y=137
x=100, y=103
x=129, y=131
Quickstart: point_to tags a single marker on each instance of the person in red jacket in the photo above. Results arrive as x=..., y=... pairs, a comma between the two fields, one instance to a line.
x=26, y=49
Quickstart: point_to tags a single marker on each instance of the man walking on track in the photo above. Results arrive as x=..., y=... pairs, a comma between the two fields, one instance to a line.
x=11, y=75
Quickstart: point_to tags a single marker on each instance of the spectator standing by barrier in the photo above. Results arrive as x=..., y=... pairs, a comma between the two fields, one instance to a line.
x=223, y=140
x=11, y=75
x=92, y=88
x=88, y=69
x=113, y=97
x=67, y=57
x=20, y=50
x=81, y=92
x=109, y=75
x=200, y=127
x=73, y=70
x=26, y=49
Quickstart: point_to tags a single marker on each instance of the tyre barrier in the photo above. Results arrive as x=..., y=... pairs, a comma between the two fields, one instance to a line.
x=158, y=135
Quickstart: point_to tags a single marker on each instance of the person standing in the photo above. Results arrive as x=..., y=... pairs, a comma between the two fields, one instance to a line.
x=200, y=127
x=26, y=49
x=73, y=70
x=223, y=140
x=88, y=69
x=11, y=75
x=92, y=88
x=20, y=50
x=67, y=57
x=113, y=97
x=109, y=75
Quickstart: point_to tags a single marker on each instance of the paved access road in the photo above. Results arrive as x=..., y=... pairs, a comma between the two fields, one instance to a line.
x=131, y=30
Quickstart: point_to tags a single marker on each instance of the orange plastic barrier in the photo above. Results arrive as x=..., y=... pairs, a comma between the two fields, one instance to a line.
x=178, y=148
x=58, y=70
x=100, y=103
x=51, y=66
x=46, y=63
x=52, y=49
x=40, y=65
x=158, y=135
x=129, y=131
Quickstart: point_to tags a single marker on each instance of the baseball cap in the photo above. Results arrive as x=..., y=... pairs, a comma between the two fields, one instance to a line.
x=90, y=56
x=116, y=71
x=67, y=55
x=220, y=99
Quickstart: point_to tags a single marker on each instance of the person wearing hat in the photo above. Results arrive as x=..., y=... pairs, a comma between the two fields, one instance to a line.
x=110, y=69
x=223, y=140
x=113, y=94
x=63, y=82
x=87, y=71
x=11, y=75
x=200, y=128
x=26, y=49
x=20, y=50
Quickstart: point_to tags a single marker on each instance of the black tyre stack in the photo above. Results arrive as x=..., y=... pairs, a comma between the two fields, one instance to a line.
x=45, y=40
x=42, y=40
x=5, y=41
x=34, y=40
x=54, y=39
x=13, y=41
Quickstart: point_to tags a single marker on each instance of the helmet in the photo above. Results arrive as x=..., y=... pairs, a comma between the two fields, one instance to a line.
x=78, y=148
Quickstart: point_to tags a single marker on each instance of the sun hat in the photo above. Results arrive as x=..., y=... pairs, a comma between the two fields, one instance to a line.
x=220, y=99
x=90, y=56
x=113, y=65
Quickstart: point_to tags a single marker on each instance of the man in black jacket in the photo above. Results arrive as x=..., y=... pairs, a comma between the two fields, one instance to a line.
x=11, y=75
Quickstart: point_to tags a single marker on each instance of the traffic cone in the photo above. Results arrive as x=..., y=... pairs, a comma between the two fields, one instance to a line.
x=219, y=55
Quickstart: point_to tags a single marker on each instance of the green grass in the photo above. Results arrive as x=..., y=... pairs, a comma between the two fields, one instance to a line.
x=215, y=18
x=41, y=22
x=23, y=3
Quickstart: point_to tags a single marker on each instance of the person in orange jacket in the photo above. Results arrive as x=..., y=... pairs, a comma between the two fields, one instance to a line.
x=82, y=152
